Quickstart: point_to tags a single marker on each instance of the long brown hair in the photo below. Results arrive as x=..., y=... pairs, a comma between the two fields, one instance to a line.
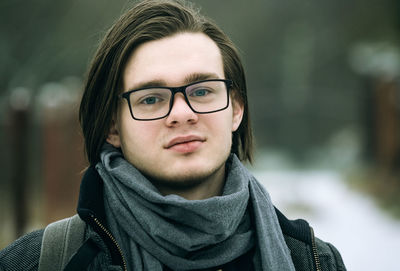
x=147, y=21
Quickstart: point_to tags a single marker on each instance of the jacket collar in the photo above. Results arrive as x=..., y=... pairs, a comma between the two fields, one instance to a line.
x=298, y=229
x=91, y=202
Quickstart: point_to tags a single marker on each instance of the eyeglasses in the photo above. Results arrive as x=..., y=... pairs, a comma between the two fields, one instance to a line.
x=203, y=97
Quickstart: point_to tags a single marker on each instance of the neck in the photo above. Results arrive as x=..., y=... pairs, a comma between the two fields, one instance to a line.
x=208, y=187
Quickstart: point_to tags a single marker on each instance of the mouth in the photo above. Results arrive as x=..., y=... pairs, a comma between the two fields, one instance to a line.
x=185, y=143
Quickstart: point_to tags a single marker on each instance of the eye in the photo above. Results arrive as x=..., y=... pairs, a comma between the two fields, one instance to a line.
x=199, y=92
x=151, y=100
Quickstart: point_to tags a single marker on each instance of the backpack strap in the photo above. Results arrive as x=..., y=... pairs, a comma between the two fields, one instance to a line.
x=83, y=257
x=61, y=239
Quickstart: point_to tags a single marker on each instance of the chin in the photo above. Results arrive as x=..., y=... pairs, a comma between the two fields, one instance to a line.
x=179, y=183
x=183, y=179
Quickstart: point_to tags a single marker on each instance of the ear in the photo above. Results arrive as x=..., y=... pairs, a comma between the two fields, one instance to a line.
x=237, y=112
x=113, y=135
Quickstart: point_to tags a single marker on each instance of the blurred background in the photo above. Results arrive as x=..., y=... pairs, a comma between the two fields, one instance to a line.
x=324, y=94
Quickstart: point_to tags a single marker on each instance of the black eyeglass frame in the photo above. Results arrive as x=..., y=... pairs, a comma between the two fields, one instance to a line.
x=175, y=90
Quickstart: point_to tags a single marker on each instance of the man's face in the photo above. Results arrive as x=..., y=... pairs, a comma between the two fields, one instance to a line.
x=184, y=148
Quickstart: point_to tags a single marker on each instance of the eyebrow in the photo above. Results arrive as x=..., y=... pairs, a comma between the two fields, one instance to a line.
x=194, y=77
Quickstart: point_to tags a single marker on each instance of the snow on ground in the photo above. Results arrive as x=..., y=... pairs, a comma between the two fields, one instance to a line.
x=367, y=238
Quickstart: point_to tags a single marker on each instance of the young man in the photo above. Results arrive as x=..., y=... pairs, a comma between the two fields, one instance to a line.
x=165, y=120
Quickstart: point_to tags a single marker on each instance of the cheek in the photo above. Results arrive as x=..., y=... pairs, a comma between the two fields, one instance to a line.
x=137, y=137
x=223, y=126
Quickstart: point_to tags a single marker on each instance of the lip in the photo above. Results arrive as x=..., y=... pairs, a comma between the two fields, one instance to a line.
x=189, y=142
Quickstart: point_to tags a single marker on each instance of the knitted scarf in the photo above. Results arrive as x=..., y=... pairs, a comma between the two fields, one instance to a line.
x=156, y=230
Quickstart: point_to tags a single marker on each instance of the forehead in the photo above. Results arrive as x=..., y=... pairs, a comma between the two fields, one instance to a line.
x=173, y=60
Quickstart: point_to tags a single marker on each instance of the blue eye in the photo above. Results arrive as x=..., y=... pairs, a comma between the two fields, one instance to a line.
x=200, y=92
x=151, y=100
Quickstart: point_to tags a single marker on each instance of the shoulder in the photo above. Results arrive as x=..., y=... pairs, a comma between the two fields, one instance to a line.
x=22, y=254
x=330, y=257
x=307, y=251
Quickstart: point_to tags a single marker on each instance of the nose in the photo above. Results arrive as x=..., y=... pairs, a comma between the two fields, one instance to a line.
x=181, y=112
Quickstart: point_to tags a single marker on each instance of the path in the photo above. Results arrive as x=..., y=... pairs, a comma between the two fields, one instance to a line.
x=368, y=239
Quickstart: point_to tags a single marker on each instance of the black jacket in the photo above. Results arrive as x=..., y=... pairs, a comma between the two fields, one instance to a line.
x=308, y=252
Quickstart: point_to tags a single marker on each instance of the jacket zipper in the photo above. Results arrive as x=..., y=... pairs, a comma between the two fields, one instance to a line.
x=315, y=252
x=112, y=239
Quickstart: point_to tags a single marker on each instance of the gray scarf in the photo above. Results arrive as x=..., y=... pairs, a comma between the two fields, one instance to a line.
x=156, y=230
